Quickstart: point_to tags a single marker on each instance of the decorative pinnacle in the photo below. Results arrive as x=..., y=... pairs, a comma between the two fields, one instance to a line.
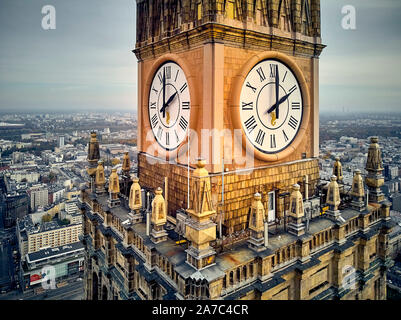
x=333, y=178
x=374, y=139
x=201, y=162
x=296, y=186
x=159, y=190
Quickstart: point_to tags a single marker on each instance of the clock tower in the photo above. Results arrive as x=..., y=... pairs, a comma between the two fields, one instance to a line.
x=237, y=83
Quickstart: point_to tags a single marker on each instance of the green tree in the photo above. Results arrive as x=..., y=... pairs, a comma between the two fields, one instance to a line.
x=47, y=218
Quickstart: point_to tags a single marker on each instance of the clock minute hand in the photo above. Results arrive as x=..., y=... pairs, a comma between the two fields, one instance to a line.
x=164, y=93
x=277, y=91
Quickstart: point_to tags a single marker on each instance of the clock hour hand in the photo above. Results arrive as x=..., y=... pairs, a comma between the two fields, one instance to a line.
x=282, y=100
x=168, y=102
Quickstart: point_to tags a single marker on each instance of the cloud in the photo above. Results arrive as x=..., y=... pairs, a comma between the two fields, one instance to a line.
x=360, y=69
x=87, y=60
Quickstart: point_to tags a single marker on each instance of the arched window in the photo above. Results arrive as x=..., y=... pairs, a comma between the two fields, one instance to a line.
x=95, y=286
x=244, y=272
x=201, y=290
x=198, y=287
x=238, y=275
x=104, y=293
x=188, y=287
x=231, y=278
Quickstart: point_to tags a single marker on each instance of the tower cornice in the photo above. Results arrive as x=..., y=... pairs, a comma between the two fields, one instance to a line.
x=293, y=43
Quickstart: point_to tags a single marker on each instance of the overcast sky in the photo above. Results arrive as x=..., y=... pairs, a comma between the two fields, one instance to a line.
x=87, y=64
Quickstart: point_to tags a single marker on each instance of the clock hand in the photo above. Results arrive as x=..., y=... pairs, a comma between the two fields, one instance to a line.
x=277, y=91
x=168, y=102
x=170, y=99
x=283, y=99
x=164, y=93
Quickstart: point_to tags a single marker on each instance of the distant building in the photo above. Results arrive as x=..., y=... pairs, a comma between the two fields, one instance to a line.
x=24, y=175
x=28, y=136
x=395, y=235
x=15, y=206
x=391, y=187
x=39, y=197
x=396, y=199
x=114, y=149
x=390, y=172
x=55, y=194
x=35, y=235
x=49, y=243
x=17, y=157
x=67, y=260
x=61, y=141
x=71, y=212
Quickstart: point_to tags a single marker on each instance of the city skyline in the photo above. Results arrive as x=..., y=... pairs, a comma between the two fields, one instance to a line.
x=86, y=65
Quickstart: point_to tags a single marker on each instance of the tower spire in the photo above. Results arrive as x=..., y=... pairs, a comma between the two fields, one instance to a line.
x=158, y=218
x=296, y=226
x=126, y=167
x=338, y=170
x=374, y=166
x=114, y=189
x=93, y=158
x=333, y=199
x=256, y=224
x=358, y=192
x=100, y=180
x=135, y=200
x=200, y=229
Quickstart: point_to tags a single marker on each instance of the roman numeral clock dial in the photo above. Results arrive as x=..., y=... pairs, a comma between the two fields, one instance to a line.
x=169, y=106
x=271, y=106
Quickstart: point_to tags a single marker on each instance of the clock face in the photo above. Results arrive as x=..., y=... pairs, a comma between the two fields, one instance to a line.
x=169, y=105
x=271, y=106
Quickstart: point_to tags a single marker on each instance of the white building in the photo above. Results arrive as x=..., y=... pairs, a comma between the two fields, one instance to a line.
x=39, y=196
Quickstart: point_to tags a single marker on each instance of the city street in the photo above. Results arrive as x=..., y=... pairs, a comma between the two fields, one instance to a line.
x=7, y=268
x=4, y=264
x=71, y=291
